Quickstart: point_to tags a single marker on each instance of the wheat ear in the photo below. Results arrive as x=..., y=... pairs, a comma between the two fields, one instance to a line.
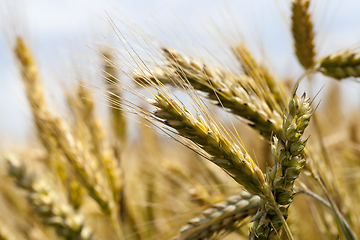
x=221, y=217
x=241, y=95
x=289, y=162
x=100, y=145
x=118, y=119
x=226, y=154
x=262, y=76
x=47, y=203
x=34, y=92
x=44, y=121
x=60, y=137
x=302, y=30
x=341, y=65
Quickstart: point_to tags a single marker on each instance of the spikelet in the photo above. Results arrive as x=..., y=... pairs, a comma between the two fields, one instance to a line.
x=76, y=193
x=302, y=30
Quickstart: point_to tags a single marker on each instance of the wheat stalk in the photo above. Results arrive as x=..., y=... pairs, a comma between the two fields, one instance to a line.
x=302, y=31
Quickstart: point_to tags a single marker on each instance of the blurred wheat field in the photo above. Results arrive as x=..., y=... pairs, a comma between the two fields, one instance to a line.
x=164, y=137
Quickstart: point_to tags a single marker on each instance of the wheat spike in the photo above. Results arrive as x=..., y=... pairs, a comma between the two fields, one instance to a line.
x=289, y=162
x=44, y=121
x=221, y=217
x=91, y=134
x=302, y=30
x=101, y=146
x=34, y=92
x=53, y=130
x=341, y=65
x=118, y=120
x=241, y=95
x=88, y=170
x=262, y=76
x=227, y=155
x=49, y=205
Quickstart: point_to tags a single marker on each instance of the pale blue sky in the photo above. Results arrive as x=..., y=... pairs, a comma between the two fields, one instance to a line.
x=58, y=29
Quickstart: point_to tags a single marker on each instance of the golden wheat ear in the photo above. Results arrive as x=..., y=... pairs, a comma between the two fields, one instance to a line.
x=35, y=96
x=53, y=210
x=56, y=136
x=262, y=76
x=339, y=65
x=118, y=120
x=241, y=95
x=100, y=145
x=225, y=153
x=202, y=131
x=222, y=217
x=303, y=34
